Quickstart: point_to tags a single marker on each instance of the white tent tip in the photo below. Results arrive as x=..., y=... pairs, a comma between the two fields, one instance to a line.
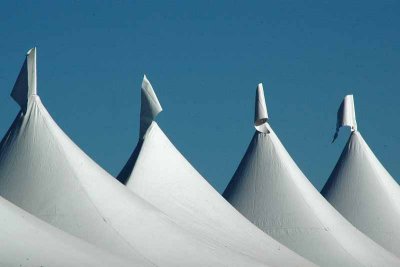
x=32, y=50
x=25, y=85
x=346, y=115
x=260, y=112
x=150, y=106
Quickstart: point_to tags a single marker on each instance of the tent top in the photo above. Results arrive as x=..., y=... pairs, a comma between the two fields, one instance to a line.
x=271, y=191
x=44, y=172
x=177, y=189
x=150, y=106
x=346, y=115
x=364, y=192
x=25, y=85
x=260, y=112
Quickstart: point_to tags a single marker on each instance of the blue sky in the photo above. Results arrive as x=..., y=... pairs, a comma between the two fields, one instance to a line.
x=204, y=60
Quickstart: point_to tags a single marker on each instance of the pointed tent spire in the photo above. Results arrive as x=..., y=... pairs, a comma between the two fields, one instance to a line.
x=346, y=115
x=273, y=193
x=25, y=85
x=260, y=112
x=150, y=106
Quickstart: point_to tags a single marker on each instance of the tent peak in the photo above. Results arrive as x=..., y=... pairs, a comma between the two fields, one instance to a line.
x=150, y=106
x=25, y=85
x=346, y=115
x=260, y=112
x=32, y=50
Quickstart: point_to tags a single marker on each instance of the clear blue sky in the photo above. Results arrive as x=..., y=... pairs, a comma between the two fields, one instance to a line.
x=204, y=60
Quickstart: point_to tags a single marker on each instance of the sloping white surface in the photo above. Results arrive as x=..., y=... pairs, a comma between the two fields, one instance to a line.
x=28, y=241
x=45, y=173
x=272, y=192
x=160, y=174
x=177, y=189
x=361, y=189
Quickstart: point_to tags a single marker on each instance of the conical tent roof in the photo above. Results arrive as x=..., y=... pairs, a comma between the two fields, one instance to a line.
x=28, y=241
x=45, y=173
x=159, y=173
x=272, y=192
x=361, y=189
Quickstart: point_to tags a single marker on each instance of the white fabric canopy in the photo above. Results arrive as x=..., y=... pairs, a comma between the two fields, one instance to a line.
x=28, y=241
x=159, y=173
x=361, y=189
x=45, y=173
x=272, y=192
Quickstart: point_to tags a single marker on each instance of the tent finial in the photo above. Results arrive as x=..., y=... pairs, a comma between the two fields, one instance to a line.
x=25, y=86
x=150, y=106
x=346, y=115
x=260, y=112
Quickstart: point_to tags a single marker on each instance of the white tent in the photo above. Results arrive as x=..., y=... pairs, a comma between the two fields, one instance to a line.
x=159, y=173
x=272, y=192
x=45, y=173
x=28, y=241
x=361, y=189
